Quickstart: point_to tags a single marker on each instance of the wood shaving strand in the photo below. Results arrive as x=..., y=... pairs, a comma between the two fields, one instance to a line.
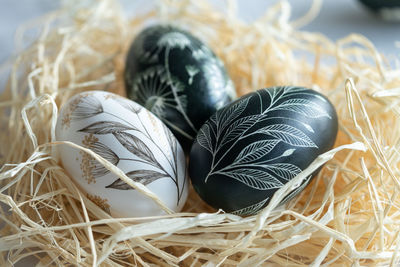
x=348, y=216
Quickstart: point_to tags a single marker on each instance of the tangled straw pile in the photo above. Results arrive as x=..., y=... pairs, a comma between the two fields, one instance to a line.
x=349, y=214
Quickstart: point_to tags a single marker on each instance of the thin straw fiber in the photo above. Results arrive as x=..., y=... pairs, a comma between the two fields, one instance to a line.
x=348, y=216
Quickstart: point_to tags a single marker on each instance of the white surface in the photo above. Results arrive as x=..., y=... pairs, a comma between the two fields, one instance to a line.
x=150, y=132
x=337, y=19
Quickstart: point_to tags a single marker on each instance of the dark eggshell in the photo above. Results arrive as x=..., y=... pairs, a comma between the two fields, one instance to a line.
x=387, y=9
x=379, y=4
x=250, y=148
x=178, y=78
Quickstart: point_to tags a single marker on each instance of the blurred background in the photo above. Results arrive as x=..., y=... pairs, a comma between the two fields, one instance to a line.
x=336, y=19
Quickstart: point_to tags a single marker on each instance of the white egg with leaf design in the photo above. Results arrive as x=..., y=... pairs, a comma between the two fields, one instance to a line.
x=133, y=139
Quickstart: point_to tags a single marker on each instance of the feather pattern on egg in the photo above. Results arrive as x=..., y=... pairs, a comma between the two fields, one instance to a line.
x=178, y=78
x=250, y=148
x=129, y=137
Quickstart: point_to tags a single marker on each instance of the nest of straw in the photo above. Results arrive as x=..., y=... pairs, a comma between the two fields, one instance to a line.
x=349, y=214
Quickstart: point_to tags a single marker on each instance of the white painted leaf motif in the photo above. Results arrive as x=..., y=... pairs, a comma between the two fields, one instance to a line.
x=151, y=89
x=293, y=89
x=148, y=51
x=288, y=152
x=252, y=209
x=204, y=138
x=213, y=119
x=228, y=115
x=273, y=92
x=304, y=107
x=238, y=127
x=254, y=178
x=255, y=151
x=178, y=87
x=288, y=134
x=235, y=127
x=201, y=53
x=154, y=88
x=174, y=39
x=285, y=171
x=191, y=71
x=320, y=98
x=308, y=127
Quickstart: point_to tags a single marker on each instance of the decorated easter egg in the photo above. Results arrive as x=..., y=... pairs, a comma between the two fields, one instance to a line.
x=130, y=137
x=178, y=78
x=387, y=9
x=250, y=148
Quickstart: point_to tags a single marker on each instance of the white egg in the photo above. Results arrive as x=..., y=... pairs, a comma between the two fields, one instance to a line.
x=133, y=139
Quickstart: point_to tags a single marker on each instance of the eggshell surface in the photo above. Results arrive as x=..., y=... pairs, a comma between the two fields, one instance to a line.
x=250, y=148
x=131, y=138
x=177, y=77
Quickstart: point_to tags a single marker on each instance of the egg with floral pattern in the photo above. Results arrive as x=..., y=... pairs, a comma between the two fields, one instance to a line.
x=250, y=148
x=178, y=78
x=131, y=138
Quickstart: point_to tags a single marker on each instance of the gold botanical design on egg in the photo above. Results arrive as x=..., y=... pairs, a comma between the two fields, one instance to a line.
x=153, y=122
x=110, y=96
x=123, y=130
x=87, y=107
x=91, y=168
x=87, y=160
x=66, y=121
x=84, y=105
x=101, y=202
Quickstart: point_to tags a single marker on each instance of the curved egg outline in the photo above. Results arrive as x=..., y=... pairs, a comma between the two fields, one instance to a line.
x=152, y=81
x=255, y=146
x=128, y=136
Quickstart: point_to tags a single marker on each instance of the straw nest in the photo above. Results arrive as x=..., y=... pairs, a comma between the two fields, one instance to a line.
x=349, y=214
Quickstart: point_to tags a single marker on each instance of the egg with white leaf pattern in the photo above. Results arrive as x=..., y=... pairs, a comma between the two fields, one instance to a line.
x=130, y=137
x=250, y=148
x=178, y=78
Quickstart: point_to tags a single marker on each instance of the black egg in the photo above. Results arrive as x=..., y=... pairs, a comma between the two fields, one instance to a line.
x=387, y=9
x=178, y=78
x=250, y=148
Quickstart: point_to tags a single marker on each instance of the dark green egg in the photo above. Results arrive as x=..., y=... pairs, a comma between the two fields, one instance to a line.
x=178, y=78
x=250, y=148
